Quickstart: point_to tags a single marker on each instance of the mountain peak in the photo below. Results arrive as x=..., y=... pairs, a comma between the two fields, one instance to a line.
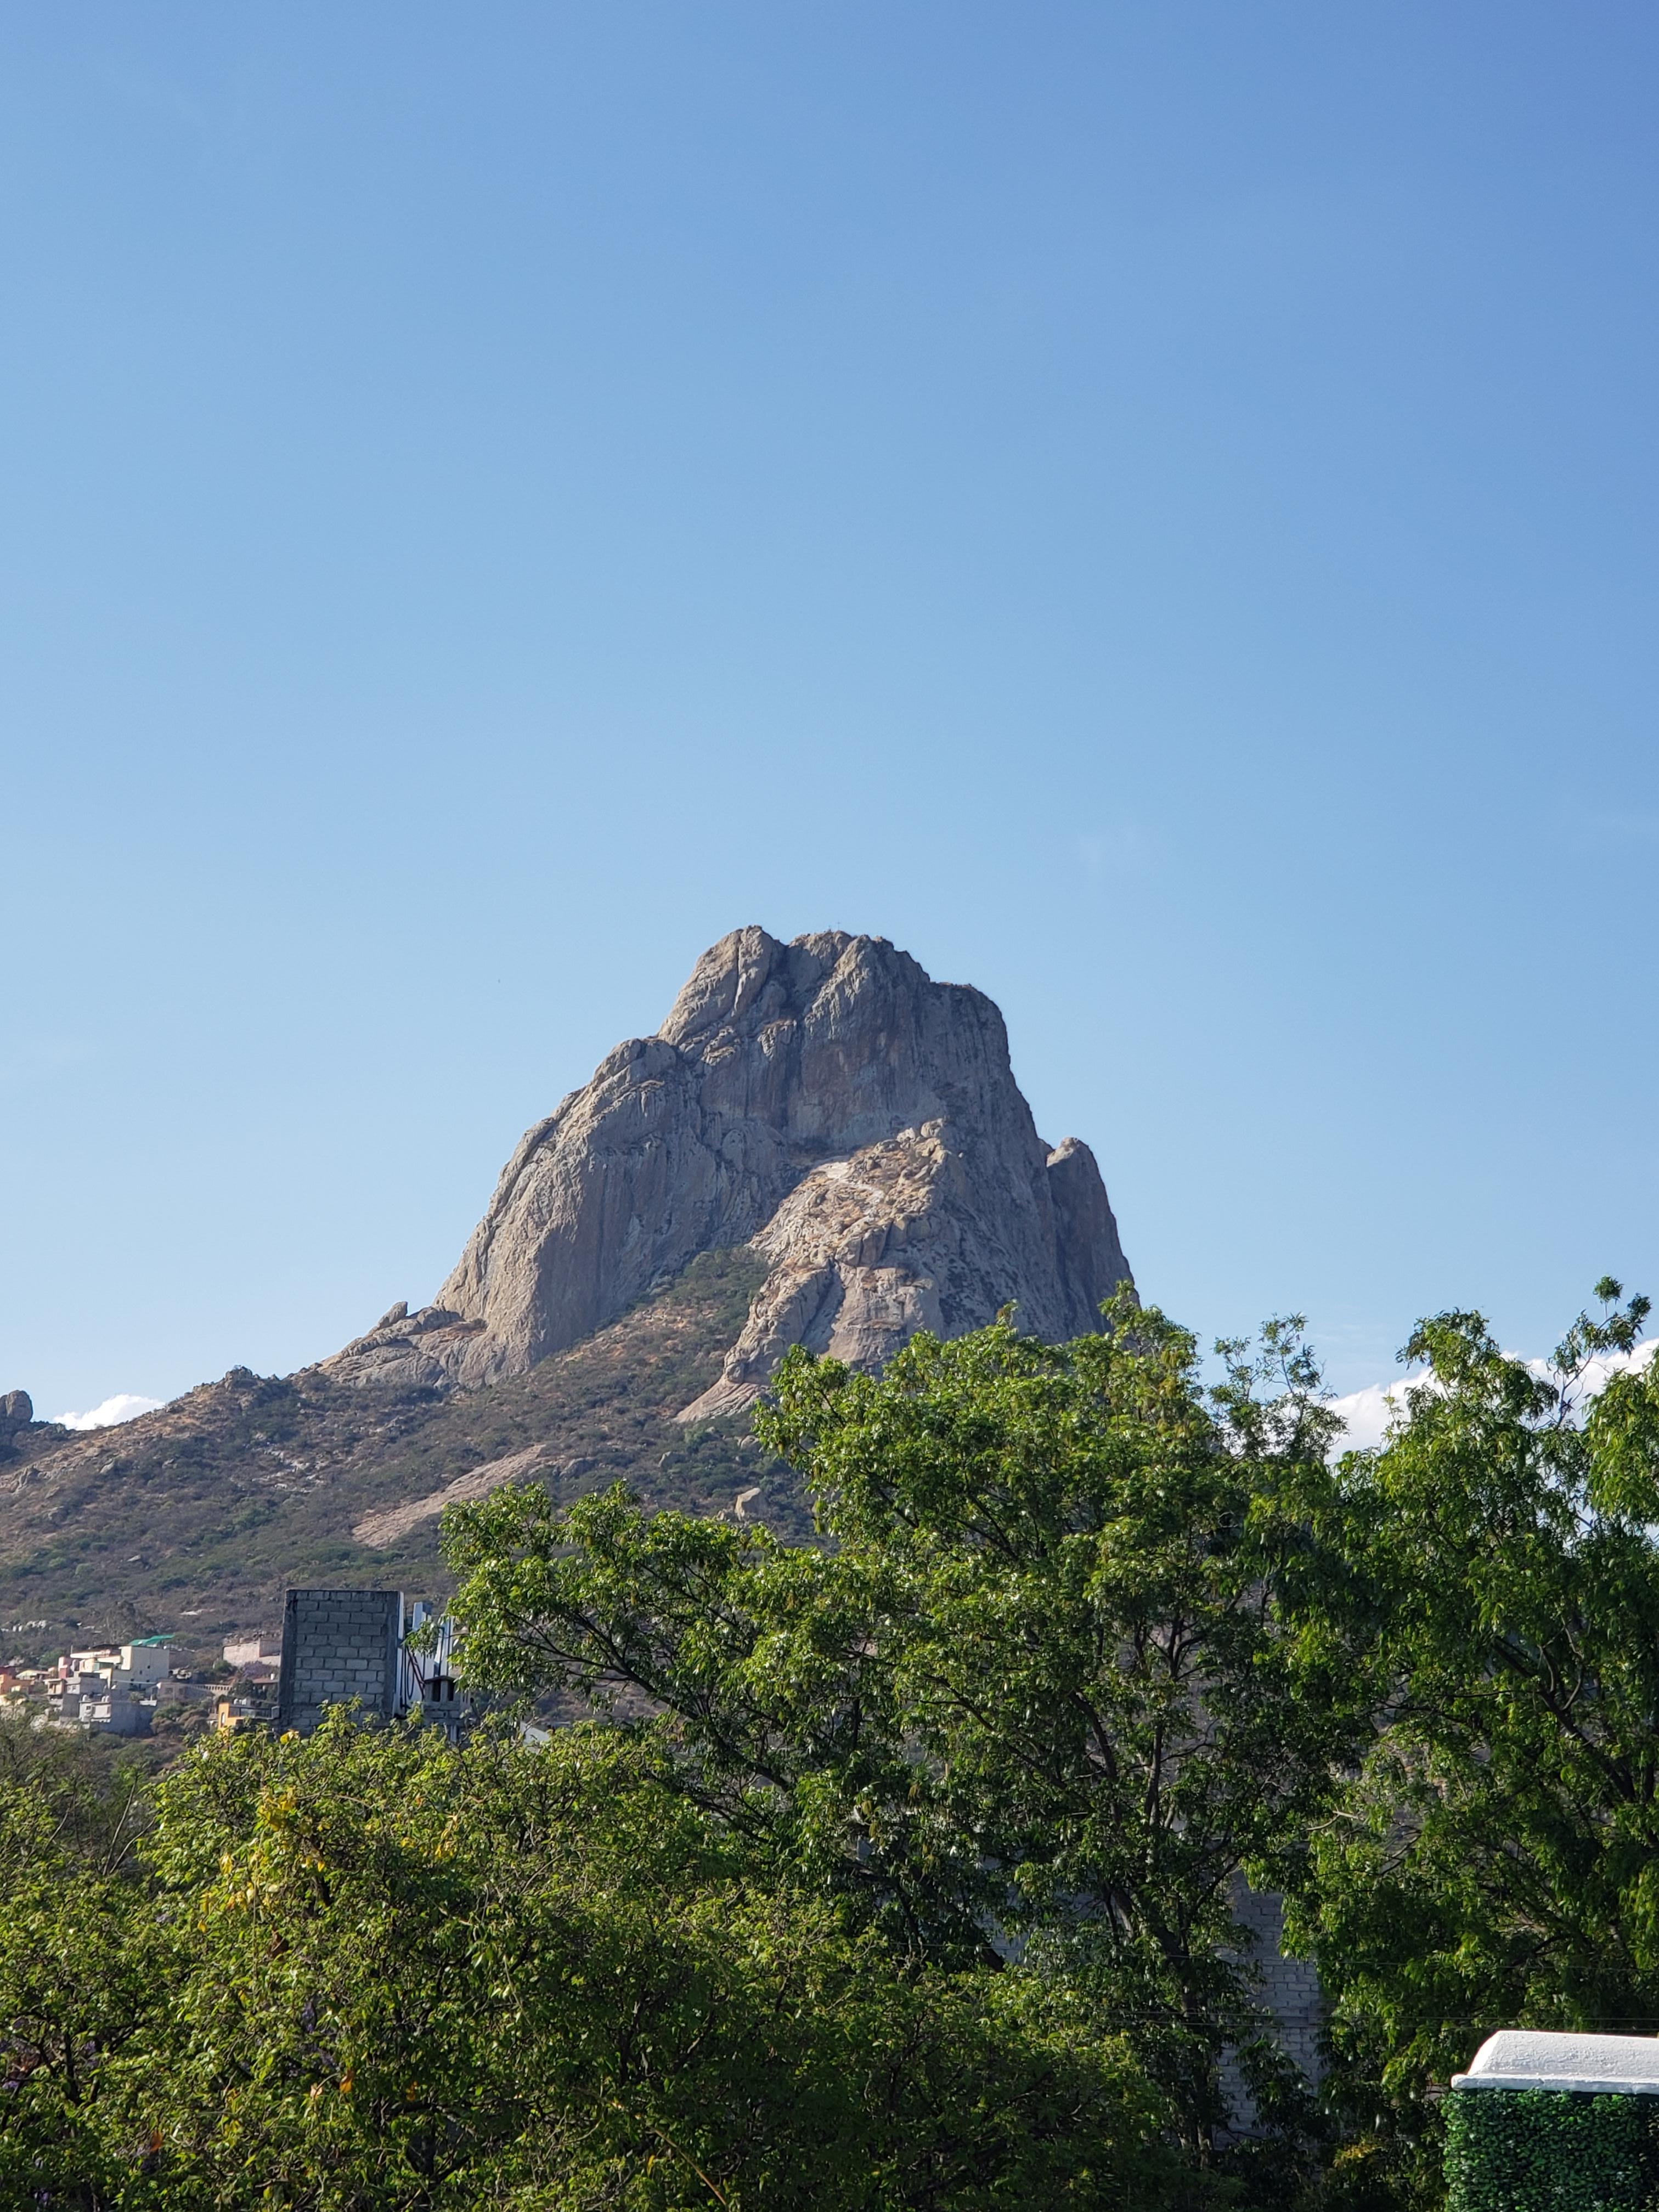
x=824, y=1103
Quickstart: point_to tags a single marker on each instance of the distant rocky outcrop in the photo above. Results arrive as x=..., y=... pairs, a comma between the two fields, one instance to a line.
x=824, y=1103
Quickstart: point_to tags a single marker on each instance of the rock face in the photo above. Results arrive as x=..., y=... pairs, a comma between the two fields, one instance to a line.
x=824, y=1101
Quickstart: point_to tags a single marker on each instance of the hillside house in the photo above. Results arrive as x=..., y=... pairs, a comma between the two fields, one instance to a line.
x=111, y=1688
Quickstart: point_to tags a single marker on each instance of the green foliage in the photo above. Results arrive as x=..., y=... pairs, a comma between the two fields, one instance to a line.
x=368, y=1970
x=1496, y=1860
x=77, y=1978
x=1540, y=2150
x=1036, y=1687
x=901, y=1872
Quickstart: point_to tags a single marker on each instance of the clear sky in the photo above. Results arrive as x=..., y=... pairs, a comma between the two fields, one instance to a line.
x=1151, y=507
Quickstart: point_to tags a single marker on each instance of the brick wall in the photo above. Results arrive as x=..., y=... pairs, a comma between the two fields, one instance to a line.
x=338, y=1645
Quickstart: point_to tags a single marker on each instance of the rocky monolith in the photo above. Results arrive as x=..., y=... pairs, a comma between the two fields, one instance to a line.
x=829, y=1104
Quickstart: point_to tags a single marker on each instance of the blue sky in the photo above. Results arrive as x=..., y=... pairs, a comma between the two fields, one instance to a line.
x=1151, y=507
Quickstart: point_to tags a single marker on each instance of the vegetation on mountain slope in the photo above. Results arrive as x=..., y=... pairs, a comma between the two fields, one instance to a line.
x=195, y=1518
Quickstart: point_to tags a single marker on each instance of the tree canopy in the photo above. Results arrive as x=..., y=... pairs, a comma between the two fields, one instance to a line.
x=1494, y=1861
x=1037, y=1693
x=901, y=1869
x=368, y=1969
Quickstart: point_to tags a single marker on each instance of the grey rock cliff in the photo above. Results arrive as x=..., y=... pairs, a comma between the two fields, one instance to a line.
x=825, y=1101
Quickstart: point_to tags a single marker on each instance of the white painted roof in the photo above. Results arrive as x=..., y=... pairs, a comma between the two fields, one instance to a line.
x=1533, y=2059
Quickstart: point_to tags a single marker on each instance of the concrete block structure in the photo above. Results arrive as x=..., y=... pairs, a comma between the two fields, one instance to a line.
x=340, y=1645
x=116, y=1712
x=1288, y=1991
x=144, y=1663
x=1288, y=1987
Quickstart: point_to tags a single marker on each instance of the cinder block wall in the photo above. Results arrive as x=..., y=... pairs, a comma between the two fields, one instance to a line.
x=337, y=1645
x=1289, y=1988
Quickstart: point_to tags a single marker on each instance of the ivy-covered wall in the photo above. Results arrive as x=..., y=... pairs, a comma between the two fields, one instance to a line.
x=1551, y=2150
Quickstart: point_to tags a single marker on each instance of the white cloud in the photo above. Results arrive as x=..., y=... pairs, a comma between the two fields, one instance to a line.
x=1598, y=1373
x=1367, y=1412
x=123, y=1407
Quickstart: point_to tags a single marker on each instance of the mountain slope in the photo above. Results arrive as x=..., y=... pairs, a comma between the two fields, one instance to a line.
x=822, y=1146
x=196, y=1517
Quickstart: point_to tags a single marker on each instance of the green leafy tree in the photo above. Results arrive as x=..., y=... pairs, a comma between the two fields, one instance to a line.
x=1034, y=1695
x=1496, y=1860
x=78, y=1957
x=369, y=1969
